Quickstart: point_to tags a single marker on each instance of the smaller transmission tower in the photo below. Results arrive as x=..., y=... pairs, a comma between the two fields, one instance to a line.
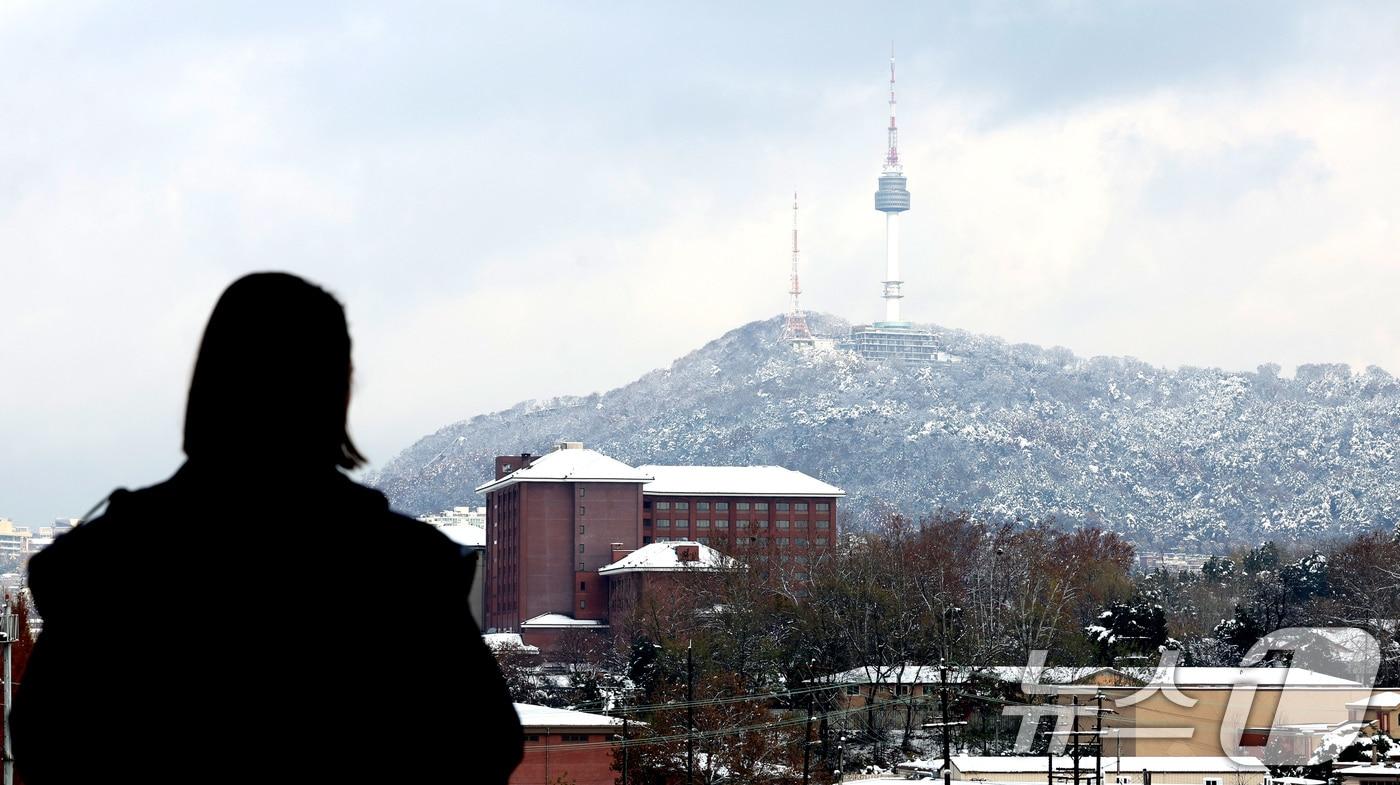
x=795, y=330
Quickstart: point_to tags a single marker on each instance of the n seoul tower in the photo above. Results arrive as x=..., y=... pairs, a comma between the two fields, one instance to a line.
x=892, y=199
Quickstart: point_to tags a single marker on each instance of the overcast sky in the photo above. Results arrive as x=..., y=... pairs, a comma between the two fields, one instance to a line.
x=520, y=200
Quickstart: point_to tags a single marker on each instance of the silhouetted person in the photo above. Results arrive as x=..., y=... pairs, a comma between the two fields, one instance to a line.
x=258, y=617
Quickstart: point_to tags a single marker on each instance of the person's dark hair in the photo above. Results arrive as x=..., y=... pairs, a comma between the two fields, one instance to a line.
x=272, y=381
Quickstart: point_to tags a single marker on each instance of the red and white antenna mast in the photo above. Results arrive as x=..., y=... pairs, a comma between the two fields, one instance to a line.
x=795, y=328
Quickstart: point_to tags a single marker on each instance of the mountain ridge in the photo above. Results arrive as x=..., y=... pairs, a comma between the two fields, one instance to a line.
x=1194, y=458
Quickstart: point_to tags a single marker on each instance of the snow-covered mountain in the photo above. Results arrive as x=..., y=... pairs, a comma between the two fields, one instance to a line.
x=1186, y=459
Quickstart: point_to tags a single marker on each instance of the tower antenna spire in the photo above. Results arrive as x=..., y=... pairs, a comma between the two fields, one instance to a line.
x=892, y=156
x=795, y=330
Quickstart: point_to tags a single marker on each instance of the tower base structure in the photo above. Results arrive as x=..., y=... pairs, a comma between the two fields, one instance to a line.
x=896, y=342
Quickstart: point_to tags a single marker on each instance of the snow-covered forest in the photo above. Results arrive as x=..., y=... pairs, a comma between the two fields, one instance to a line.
x=1190, y=459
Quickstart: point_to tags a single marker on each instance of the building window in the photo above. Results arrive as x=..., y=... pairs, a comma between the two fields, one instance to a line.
x=646, y=504
x=782, y=506
x=583, y=603
x=581, y=568
x=1212, y=781
x=682, y=505
x=801, y=541
x=823, y=507
x=741, y=524
x=703, y=540
x=801, y=523
x=580, y=547
x=852, y=689
x=741, y=505
x=763, y=524
x=533, y=737
x=682, y=524
x=721, y=506
x=646, y=521
x=823, y=524
x=721, y=524
x=702, y=524
x=800, y=506
x=762, y=540
x=645, y=541
x=761, y=506
x=582, y=586
x=663, y=505
x=821, y=541
x=782, y=523
x=580, y=528
x=580, y=491
x=663, y=523
x=572, y=737
x=702, y=506
x=782, y=541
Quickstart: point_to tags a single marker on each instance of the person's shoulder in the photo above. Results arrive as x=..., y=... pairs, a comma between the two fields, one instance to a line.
x=403, y=529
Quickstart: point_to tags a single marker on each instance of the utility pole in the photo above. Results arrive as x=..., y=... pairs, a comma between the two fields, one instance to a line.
x=8, y=632
x=1074, y=736
x=807, y=746
x=1098, y=738
x=946, y=725
x=625, y=750
x=689, y=714
x=943, y=699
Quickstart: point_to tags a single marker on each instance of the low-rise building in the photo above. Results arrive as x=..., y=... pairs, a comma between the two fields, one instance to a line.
x=566, y=746
x=1125, y=770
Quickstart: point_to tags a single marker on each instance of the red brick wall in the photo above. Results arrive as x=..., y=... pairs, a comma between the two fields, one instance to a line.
x=534, y=531
x=588, y=764
x=549, y=552
x=730, y=530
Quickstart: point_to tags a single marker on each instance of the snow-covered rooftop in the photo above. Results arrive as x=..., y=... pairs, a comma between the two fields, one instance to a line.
x=532, y=716
x=664, y=557
x=1180, y=676
x=1370, y=771
x=1264, y=677
x=733, y=481
x=569, y=464
x=559, y=620
x=508, y=640
x=1381, y=700
x=465, y=534
x=1010, y=764
x=929, y=674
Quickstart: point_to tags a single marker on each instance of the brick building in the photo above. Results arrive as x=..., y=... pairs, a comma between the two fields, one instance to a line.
x=567, y=746
x=554, y=521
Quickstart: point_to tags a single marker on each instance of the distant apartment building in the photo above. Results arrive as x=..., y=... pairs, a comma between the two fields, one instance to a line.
x=466, y=526
x=14, y=539
x=555, y=522
x=457, y=516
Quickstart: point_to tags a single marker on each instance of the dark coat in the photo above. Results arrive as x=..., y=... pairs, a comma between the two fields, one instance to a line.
x=239, y=630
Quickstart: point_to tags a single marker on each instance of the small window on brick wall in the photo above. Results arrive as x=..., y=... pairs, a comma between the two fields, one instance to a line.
x=573, y=737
